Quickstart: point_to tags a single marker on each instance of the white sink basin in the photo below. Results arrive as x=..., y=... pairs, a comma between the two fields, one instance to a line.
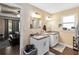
x=39, y=36
x=54, y=32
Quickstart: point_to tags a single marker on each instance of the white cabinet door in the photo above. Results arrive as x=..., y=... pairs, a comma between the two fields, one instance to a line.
x=56, y=39
x=46, y=45
x=53, y=40
x=42, y=45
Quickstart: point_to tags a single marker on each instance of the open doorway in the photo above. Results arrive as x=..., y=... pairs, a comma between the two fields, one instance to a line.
x=11, y=36
x=9, y=30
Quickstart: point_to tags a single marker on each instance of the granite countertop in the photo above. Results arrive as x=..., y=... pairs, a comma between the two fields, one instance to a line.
x=44, y=35
x=52, y=32
x=39, y=37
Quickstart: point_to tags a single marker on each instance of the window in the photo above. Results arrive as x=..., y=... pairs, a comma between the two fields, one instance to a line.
x=10, y=25
x=68, y=22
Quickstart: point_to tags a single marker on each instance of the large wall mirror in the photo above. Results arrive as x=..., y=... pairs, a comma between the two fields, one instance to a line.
x=35, y=21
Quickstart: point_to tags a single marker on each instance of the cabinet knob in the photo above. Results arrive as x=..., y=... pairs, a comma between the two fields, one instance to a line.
x=44, y=43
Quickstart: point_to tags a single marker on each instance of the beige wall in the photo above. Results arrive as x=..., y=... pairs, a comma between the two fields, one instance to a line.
x=26, y=11
x=66, y=37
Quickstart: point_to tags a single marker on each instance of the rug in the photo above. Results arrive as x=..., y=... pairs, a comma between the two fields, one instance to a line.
x=51, y=53
x=4, y=44
x=59, y=47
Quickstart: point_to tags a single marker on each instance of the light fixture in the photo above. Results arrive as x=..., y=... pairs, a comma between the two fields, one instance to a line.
x=36, y=15
x=48, y=18
x=33, y=15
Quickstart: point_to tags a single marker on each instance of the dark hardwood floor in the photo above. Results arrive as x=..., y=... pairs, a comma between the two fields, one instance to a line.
x=10, y=50
x=67, y=51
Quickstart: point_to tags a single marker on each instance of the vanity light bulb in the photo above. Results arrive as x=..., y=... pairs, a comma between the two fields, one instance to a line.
x=38, y=16
x=34, y=15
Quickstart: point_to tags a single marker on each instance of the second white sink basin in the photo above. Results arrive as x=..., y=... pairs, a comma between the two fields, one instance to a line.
x=39, y=36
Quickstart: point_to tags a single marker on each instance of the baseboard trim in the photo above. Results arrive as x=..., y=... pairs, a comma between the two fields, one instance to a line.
x=66, y=45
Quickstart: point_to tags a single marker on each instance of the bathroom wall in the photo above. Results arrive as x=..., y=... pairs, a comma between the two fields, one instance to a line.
x=66, y=37
x=26, y=12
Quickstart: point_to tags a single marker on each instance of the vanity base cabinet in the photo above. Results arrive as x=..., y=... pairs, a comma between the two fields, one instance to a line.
x=42, y=45
x=54, y=39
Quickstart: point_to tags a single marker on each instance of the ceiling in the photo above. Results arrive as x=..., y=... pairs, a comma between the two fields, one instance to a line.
x=54, y=7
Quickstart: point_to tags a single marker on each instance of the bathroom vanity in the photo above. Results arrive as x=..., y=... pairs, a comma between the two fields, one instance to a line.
x=54, y=38
x=45, y=40
x=41, y=43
